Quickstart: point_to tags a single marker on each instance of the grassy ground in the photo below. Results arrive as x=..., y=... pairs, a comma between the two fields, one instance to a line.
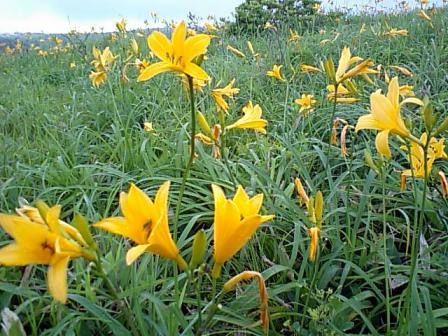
x=68, y=143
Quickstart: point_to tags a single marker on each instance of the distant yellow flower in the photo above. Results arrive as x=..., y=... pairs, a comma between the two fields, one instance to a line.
x=198, y=84
x=316, y=7
x=385, y=116
x=148, y=127
x=145, y=223
x=235, y=51
x=275, y=72
x=343, y=93
x=306, y=103
x=134, y=46
x=324, y=41
x=406, y=90
x=293, y=36
x=235, y=222
x=178, y=54
x=72, y=65
x=141, y=64
x=309, y=68
x=219, y=93
x=269, y=25
x=363, y=28
x=102, y=61
x=346, y=60
x=401, y=69
x=423, y=15
x=251, y=119
x=121, y=26
x=396, y=32
x=210, y=27
x=43, y=53
x=303, y=196
x=43, y=241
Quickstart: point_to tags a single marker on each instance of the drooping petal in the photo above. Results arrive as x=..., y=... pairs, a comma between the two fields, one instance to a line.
x=382, y=143
x=153, y=70
x=412, y=100
x=119, y=226
x=57, y=278
x=135, y=252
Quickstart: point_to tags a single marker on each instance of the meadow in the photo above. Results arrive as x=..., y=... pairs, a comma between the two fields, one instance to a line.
x=358, y=244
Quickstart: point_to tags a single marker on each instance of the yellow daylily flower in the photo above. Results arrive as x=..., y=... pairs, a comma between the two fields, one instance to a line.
x=306, y=103
x=275, y=72
x=269, y=25
x=145, y=223
x=219, y=93
x=141, y=64
x=148, y=127
x=251, y=119
x=293, y=35
x=98, y=78
x=198, y=84
x=385, y=116
x=210, y=27
x=235, y=222
x=423, y=15
x=346, y=60
x=343, y=92
x=121, y=26
x=407, y=90
x=309, y=68
x=178, y=54
x=303, y=196
x=396, y=32
x=48, y=242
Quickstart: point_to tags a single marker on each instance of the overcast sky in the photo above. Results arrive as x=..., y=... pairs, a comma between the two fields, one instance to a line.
x=59, y=16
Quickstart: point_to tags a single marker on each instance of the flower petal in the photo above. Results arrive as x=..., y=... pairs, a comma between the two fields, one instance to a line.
x=57, y=278
x=195, y=46
x=153, y=70
x=159, y=45
x=15, y=255
x=382, y=143
x=195, y=71
x=367, y=121
x=135, y=252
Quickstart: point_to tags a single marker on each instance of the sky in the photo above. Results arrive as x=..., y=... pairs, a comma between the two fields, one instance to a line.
x=60, y=16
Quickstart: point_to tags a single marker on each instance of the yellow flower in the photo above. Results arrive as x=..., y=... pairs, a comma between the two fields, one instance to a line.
x=148, y=127
x=401, y=69
x=306, y=102
x=275, y=72
x=98, y=78
x=251, y=119
x=121, y=26
x=316, y=7
x=197, y=83
x=423, y=15
x=178, y=54
x=102, y=61
x=145, y=223
x=72, y=65
x=303, y=197
x=293, y=35
x=38, y=241
x=309, y=68
x=210, y=27
x=396, y=32
x=346, y=60
x=235, y=222
x=385, y=116
x=235, y=51
x=219, y=93
x=269, y=25
x=141, y=64
x=406, y=90
x=343, y=92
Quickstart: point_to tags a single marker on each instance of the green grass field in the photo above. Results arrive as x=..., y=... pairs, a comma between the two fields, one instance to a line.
x=382, y=260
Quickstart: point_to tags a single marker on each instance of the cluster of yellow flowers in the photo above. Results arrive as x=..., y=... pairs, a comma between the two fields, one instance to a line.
x=102, y=63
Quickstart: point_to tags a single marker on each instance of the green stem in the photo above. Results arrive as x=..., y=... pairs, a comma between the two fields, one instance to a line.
x=113, y=291
x=418, y=228
x=191, y=159
x=226, y=159
x=330, y=127
x=386, y=259
x=199, y=303
x=313, y=280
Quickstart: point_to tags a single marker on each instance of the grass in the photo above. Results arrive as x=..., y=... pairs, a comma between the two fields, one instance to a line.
x=68, y=143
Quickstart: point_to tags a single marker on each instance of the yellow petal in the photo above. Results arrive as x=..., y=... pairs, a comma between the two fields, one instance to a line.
x=241, y=199
x=153, y=70
x=119, y=226
x=57, y=278
x=195, y=46
x=53, y=219
x=178, y=36
x=160, y=241
x=15, y=255
x=382, y=143
x=195, y=71
x=159, y=45
x=412, y=100
x=367, y=121
x=135, y=252
x=393, y=93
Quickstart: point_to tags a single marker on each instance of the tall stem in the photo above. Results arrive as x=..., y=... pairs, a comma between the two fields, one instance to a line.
x=386, y=259
x=330, y=126
x=192, y=153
